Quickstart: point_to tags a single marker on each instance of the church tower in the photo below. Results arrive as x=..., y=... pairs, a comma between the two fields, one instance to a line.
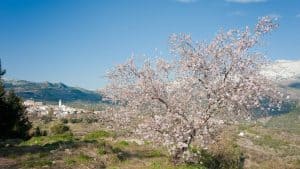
x=59, y=103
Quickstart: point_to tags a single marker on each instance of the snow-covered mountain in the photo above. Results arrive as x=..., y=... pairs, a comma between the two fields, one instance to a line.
x=287, y=74
x=283, y=70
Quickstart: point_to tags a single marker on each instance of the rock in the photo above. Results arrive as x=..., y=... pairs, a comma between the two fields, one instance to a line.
x=68, y=151
x=241, y=134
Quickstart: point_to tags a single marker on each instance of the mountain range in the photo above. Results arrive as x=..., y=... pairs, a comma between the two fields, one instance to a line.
x=286, y=70
x=51, y=92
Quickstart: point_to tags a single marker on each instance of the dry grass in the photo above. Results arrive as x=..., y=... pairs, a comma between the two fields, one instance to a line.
x=91, y=145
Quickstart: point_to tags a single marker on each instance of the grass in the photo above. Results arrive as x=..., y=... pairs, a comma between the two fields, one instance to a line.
x=96, y=135
x=289, y=122
x=157, y=165
x=268, y=140
x=43, y=140
x=38, y=163
x=103, y=147
x=123, y=143
x=78, y=159
x=38, y=160
x=273, y=144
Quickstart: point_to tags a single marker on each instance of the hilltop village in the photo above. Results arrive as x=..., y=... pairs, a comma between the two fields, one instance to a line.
x=40, y=109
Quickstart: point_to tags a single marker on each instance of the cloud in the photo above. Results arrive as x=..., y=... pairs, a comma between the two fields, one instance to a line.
x=298, y=15
x=275, y=15
x=186, y=1
x=246, y=1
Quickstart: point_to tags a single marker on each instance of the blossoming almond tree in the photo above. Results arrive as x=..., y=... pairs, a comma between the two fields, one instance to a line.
x=177, y=103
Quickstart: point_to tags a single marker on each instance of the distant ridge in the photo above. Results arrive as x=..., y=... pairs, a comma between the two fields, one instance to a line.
x=51, y=92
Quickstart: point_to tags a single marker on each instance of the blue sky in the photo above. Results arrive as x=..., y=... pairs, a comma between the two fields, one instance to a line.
x=77, y=41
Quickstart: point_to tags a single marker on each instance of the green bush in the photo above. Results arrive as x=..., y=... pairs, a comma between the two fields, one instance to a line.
x=38, y=132
x=59, y=128
x=116, y=150
x=91, y=120
x=64, y=120
x=46, y=119
x=225, y=154
x=103, y=148
x=75, y=120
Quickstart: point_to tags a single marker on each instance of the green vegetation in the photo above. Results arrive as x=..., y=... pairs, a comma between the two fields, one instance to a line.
x=75, y=120
x=43, y=140
x=59, y=128
x=158, y=165
x=39, y=160
x=123, y=143
x=38, y=132
x=289, y=122
x=64, y=120
x=78, y=159
x=267, y=145
x=268, y=140
x=96, y=135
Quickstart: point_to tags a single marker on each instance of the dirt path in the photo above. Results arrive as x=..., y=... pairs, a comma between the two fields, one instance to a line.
x=6, y=163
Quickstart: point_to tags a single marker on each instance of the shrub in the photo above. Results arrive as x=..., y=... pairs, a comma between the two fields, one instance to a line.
x=64, y=120
x=116, y=150
x=103, y=148
x=225, y=154
x=91, y=120
x=59, y=128
x=75, y=120
x=46, y=119
x=38, y=132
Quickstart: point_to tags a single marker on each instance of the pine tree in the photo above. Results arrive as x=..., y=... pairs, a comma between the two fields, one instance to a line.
x=2, y=72
x=13, y=120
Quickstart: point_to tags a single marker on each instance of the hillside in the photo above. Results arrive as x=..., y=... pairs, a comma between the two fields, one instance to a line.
x=274, y=144
x=51, y=92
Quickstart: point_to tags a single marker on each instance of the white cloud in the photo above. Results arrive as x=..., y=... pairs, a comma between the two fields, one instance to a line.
x=275, y=15
x=246, y=1
x=186, y=1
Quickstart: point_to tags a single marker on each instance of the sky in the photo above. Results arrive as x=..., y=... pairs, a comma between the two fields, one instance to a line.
x=77, y=41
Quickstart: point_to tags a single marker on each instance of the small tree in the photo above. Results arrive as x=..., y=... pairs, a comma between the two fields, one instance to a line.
x=208, y=84
x=13, y=120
